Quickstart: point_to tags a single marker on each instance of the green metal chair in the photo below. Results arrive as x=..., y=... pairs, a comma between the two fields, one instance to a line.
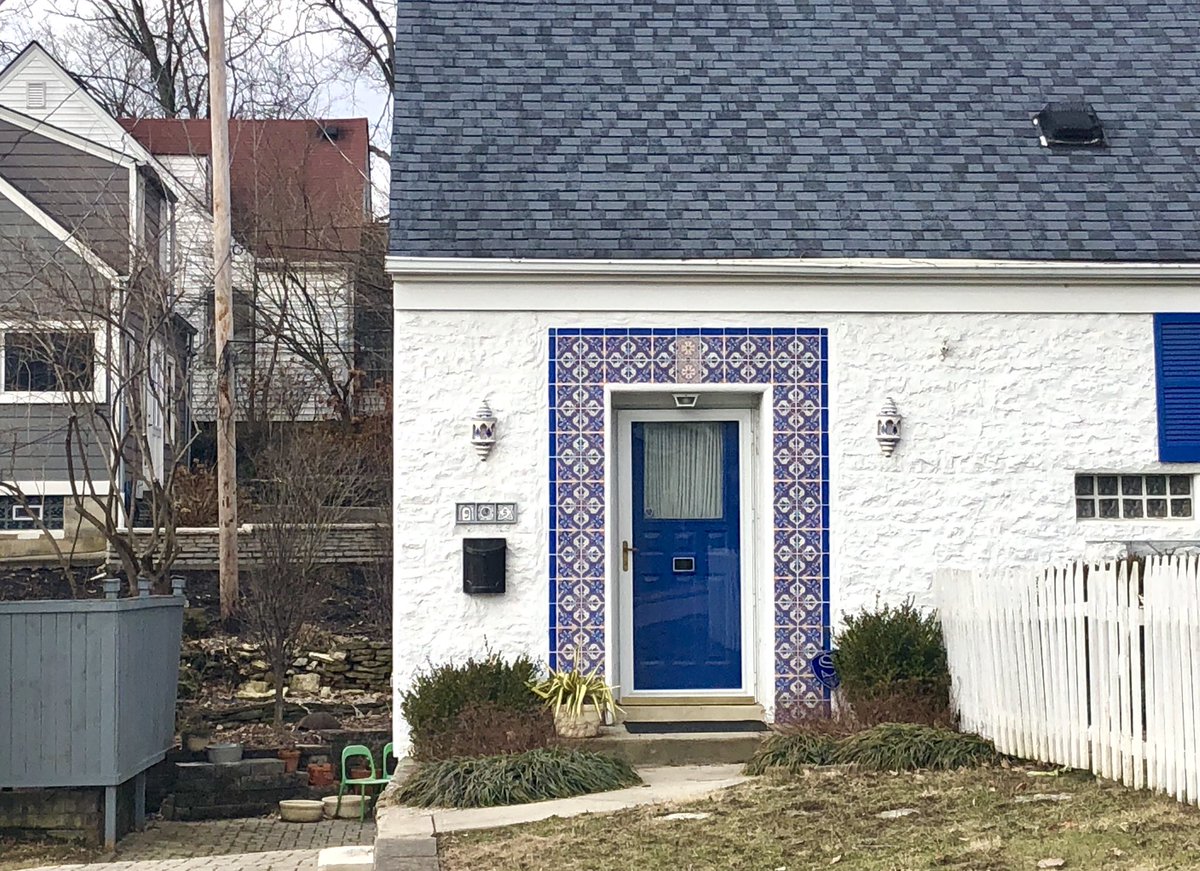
x=353, y=751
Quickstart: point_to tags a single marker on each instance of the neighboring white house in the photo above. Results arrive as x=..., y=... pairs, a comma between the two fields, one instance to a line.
x=301, y=205
x=690, y=254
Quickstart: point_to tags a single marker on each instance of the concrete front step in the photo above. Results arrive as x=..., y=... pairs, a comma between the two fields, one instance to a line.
x=670, y=712
x=675, y=748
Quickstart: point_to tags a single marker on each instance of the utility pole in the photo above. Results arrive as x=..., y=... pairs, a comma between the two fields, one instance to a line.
x=218, y=113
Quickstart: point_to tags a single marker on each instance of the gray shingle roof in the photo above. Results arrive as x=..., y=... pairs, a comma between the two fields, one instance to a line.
x=779, y=128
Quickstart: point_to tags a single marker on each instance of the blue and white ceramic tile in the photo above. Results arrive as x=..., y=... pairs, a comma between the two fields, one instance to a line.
x=794, y=362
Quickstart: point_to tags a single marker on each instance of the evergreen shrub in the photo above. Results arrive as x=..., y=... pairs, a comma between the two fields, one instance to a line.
x=485, y=689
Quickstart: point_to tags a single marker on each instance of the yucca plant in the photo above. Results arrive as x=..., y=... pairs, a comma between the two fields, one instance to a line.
x=568, y=691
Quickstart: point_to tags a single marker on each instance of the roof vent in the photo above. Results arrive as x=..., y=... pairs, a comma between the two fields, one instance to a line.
x=1069, y=124
x=35, y=95
x=331, y=132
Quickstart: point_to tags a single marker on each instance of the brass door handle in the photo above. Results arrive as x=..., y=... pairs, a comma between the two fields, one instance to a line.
x=626, y=550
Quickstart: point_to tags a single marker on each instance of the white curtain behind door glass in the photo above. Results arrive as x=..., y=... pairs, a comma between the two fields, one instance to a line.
x=683, y=471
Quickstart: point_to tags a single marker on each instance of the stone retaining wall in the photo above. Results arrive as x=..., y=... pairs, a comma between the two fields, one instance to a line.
x=339, y=665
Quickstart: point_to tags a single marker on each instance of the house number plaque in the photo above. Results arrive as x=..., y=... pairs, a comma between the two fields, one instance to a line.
x=484, y=512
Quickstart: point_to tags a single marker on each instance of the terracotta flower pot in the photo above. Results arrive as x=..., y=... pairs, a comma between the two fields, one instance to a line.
x=584, y=725
x=320, y=774
x=291, y=760
x=359, y=773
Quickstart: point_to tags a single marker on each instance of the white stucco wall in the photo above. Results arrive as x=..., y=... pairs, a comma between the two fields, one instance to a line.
x=1000, y=411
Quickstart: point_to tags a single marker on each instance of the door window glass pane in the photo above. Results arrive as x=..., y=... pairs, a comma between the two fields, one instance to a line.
x=683, y=474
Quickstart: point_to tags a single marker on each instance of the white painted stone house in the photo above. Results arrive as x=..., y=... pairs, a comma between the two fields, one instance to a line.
x=688, y=252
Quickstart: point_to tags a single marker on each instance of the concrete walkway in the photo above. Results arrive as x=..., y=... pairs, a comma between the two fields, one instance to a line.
x=407, y=837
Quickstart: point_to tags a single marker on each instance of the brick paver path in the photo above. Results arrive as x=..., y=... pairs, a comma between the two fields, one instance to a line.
x=264, y=844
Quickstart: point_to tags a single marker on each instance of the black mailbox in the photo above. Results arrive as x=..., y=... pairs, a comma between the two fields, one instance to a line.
x=484, y=565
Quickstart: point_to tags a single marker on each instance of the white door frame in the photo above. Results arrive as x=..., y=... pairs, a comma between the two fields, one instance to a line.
x=623, y=580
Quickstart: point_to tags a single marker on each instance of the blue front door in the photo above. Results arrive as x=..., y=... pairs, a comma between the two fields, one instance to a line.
x=687, y=628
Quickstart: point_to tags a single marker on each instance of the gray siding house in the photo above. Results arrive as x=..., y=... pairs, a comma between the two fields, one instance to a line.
x=93, y=359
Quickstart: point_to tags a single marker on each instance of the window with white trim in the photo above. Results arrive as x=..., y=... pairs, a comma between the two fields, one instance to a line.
x=33, y=512
x=1133, y=497
x=48, y=361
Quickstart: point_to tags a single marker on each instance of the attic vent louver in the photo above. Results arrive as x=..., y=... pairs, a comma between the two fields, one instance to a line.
x=330, y=132
x=1069, y=124
x=35, y=95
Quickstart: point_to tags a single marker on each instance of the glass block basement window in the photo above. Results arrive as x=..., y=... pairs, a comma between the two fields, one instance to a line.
x=18, y=515
x=1133, y=497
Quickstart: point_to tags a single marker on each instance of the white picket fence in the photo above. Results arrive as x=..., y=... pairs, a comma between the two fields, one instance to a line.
x=1094, y=667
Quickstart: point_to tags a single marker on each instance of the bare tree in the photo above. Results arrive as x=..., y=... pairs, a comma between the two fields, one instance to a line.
x=149, y=58
x=309, y=486
x=12, y=13
x=367, y=32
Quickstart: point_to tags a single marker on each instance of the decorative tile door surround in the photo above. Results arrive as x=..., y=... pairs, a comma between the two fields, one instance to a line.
x=794, y=362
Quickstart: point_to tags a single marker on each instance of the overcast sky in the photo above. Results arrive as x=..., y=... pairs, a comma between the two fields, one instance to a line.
x=19, y=17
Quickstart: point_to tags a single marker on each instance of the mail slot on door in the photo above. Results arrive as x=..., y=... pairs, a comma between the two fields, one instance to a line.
x=683, y=565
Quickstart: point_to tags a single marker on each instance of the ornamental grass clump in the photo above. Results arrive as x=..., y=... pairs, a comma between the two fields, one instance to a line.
x=793, y=752
x=493, y=781
x=909, y=746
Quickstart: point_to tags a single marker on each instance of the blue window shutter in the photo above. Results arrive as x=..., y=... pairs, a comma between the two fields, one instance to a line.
x=1177, y=365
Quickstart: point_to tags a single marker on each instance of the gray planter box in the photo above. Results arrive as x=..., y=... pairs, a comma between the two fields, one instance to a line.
x=87, y=689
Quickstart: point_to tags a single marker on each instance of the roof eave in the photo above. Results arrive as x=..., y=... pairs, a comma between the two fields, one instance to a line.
x=856, y=270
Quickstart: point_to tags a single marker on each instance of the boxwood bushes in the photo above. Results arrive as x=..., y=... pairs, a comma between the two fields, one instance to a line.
x=895, y=713
x=892, y=665
x=476, y=708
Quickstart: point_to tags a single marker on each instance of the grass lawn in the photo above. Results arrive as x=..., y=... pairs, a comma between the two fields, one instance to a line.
x=28, y=854
x=979, y=819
